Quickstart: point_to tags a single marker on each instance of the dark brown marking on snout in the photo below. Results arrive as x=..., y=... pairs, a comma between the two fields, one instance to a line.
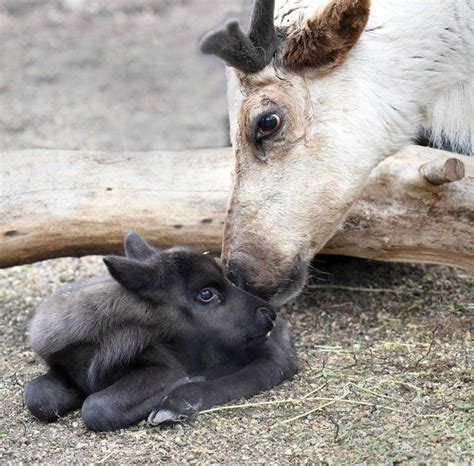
x=286, y=285
x=108, y=189
x=178, y=226
x=205, y=221
x=11, y=233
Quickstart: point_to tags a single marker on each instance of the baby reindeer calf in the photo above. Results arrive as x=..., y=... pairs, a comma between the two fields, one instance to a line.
x=166, y=336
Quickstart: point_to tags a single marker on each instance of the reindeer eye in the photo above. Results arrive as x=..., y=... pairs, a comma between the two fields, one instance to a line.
x=207, y=295
x=267, y=125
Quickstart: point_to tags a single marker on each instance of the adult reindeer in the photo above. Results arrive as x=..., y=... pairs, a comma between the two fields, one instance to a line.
x=318, y=96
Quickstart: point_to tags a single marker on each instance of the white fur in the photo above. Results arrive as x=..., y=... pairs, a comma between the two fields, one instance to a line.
x=412, y=67
x=416, y=54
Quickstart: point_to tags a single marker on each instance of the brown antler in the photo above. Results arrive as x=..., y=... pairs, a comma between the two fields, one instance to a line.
x=249, y=53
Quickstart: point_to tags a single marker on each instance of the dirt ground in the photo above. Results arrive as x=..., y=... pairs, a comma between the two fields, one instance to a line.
x=385, y=349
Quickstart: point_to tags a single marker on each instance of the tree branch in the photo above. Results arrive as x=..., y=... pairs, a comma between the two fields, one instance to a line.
x=73, y=203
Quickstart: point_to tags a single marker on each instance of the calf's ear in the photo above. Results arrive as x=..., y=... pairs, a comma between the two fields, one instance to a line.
x=326, y=38
x=137, y=248
x=132, y=274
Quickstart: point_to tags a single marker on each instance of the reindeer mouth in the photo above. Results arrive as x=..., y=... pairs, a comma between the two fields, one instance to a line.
x=259, y=339
x=261, y=336
x=242, y=268
x=291, y=283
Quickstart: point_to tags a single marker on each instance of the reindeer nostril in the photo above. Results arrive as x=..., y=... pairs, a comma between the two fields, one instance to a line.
x=236, y=274
x=271, y=313
x=264, y=316
x=268, y=311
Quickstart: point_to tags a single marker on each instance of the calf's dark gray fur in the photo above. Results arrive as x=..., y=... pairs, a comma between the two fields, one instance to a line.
x=165, y=336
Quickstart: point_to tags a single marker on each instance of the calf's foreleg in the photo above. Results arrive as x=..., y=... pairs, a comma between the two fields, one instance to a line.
x=131, y=398
x=262, y=374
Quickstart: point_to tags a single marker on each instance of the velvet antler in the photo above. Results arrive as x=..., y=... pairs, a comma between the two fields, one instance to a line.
x=249, y=53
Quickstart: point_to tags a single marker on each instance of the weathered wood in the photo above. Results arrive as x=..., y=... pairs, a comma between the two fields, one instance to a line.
x=403, y=217
x=439, y=172
x=71, y=203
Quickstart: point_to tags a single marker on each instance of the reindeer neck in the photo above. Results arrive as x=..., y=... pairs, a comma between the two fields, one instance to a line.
x=415, y=62
x=429, y=42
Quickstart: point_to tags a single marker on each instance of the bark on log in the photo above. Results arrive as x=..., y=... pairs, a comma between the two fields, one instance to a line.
x=73, y=203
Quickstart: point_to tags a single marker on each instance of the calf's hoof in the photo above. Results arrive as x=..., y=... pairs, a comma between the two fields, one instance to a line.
x=181, y=404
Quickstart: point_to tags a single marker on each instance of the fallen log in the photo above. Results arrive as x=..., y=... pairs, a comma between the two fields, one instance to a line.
x=417, y=207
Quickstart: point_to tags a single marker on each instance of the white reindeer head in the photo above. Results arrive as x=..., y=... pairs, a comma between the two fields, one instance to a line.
x=306, y=133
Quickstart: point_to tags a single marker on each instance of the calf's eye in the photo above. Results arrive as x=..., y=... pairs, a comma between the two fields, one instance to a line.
x=267, y=125
x=207, y=295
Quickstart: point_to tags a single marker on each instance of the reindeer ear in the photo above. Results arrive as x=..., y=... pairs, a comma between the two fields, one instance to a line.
x=327, y=36
x=132, y=274
x=137, y=248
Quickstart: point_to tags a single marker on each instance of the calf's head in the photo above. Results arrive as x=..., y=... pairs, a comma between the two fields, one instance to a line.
x=188, y=296
x=303, y=147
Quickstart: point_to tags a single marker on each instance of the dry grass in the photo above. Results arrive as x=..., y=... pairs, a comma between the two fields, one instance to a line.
x=385, y=376
x=124, y=76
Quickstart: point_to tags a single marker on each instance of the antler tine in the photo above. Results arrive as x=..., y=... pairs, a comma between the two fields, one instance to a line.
x=262, y=25
x=249, y=53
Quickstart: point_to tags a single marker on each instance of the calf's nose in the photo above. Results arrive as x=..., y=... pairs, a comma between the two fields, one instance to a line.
x=264, y=316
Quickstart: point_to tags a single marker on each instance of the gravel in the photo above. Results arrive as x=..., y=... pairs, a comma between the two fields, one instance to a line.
x=387, y=346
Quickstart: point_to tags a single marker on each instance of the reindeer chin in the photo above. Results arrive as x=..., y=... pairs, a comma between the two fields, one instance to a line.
x=291, y=284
